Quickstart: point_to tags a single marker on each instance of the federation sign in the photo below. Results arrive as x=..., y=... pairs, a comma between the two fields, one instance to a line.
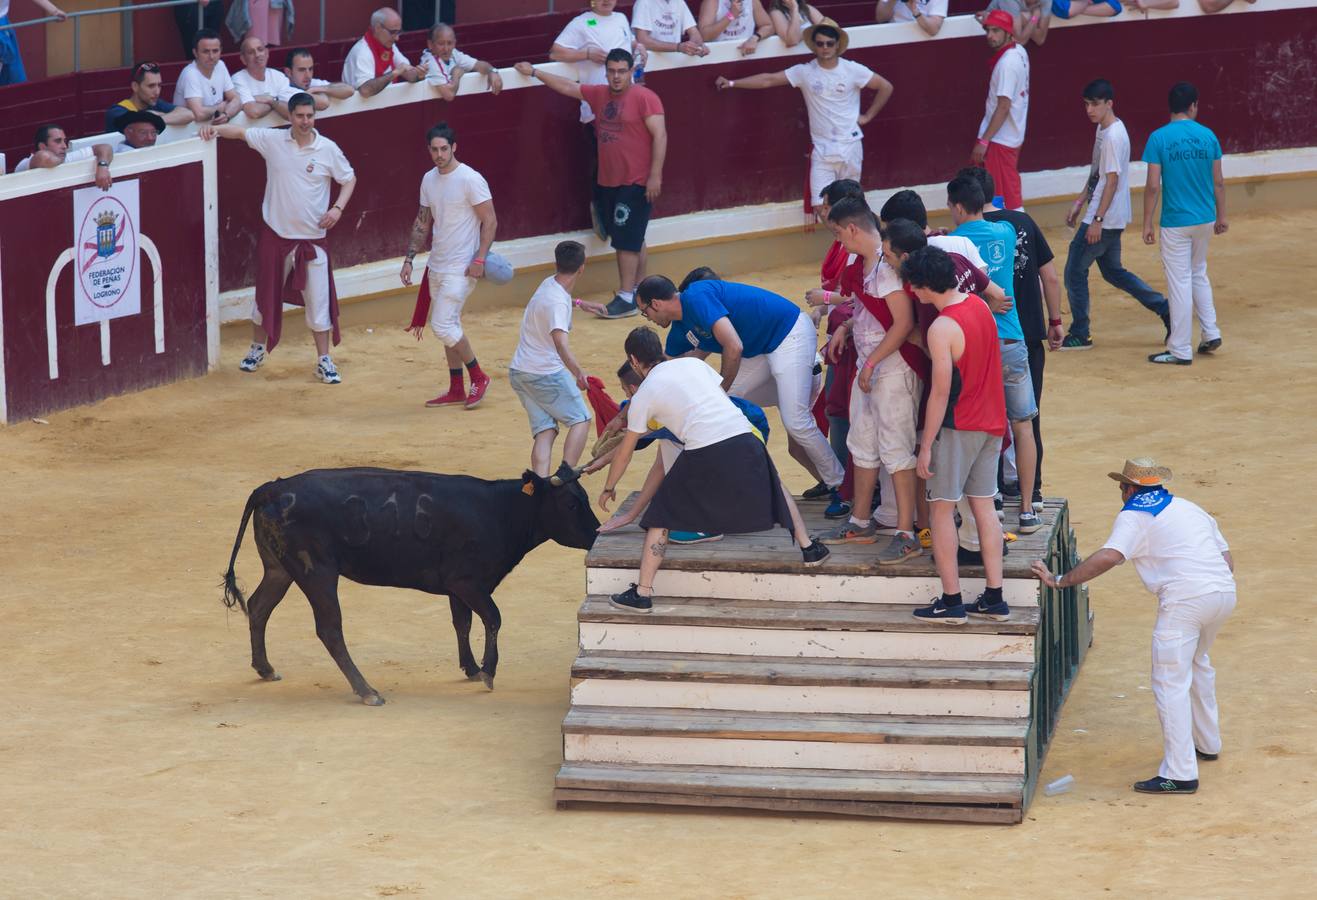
x=107, y=266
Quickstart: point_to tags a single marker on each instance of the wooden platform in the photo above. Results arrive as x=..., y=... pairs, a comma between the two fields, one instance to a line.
x=757, y=683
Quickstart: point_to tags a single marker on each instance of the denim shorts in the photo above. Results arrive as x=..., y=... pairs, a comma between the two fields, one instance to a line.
x=1020, y=403
x=550, y=400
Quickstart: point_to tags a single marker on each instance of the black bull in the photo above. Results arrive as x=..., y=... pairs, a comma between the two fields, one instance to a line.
x=442, y=534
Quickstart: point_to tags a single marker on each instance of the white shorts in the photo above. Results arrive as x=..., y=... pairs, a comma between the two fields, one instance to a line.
x=842, y=161
x=316, y=294
x=883, y=421
x=448, y=293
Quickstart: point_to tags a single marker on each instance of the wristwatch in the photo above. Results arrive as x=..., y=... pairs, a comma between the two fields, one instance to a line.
x=103, y=163
x=1097, y=219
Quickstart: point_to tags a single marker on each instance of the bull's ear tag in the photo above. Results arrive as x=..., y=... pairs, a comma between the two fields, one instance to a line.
x=528, y=488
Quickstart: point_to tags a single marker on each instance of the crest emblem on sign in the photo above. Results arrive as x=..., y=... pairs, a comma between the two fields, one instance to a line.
x=106, y=234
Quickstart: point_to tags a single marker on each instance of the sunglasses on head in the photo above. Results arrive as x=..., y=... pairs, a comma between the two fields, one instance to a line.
x=143, y=68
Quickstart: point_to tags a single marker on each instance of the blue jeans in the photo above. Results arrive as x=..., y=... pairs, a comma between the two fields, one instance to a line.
x=1106, y=253
x=838, y=426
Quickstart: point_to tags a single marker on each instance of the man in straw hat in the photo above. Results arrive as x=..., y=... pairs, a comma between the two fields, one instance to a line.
x=831, y=86
x=1181, y=556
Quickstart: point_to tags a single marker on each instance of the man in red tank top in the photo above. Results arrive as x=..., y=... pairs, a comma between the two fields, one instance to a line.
x=963, y=426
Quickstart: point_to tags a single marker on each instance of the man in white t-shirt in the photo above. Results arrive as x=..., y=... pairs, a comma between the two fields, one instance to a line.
x=299, y=66
x=375, y=62
x=586, y=40
x=50, y=148
x=928, y=13
x=1001, y=131
x=1104, y=205
x=831, y=87
x=293, y=263
x=1180, y=555
x=260, y=89
x=544, y=373
x=204, y=85
x=445, y=65
x=668, y=26
x=457, y=213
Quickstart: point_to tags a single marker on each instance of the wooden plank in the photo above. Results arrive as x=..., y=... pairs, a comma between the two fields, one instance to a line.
x=856, y=617
x=816, y=784
x=828, y=727
x=793, y=671
x=905, y=811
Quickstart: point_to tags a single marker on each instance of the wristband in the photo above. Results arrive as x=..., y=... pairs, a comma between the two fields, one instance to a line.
x=868, y=365
x=827, y=298
x=479, y=259
x=731, y=17
x=608, y=490
x=982, y=143
x=1033, y=19
x=1051, y=322
x=337, y=207
x=576, y=301
x=731, y=84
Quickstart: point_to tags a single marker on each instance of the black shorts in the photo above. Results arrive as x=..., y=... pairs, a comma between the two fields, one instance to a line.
x=625, y=211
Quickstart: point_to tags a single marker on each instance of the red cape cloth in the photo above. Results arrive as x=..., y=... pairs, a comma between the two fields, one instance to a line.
x=381, y=55
x=605, y=408
x=421, y=314
x=273, y=291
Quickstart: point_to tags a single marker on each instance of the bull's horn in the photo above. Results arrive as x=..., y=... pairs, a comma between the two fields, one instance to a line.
x=556, y=480
x=559, y=480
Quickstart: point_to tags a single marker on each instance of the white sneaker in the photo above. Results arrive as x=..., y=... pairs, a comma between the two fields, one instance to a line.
x=254, y=359
x=326, y=372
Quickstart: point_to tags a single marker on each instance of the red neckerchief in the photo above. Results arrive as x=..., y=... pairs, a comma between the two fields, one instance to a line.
x=833, y=264
x=380, y=54
x=992, y=63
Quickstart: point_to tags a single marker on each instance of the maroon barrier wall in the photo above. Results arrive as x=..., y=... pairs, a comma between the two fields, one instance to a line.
x=171, y=216
x=745, y=147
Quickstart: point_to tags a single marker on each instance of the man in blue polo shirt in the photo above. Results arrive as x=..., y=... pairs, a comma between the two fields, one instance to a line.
x=996, y=244
x=1184, y=168
x=768, y=349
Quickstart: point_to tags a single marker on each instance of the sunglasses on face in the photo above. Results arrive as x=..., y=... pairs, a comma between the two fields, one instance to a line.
x=824, y=42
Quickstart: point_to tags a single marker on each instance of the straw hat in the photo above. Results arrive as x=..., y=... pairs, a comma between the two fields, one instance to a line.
x=843, y=41
x=1142, y=471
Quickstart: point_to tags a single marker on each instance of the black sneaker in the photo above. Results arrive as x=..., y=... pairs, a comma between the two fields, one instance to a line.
x=1075, y=342
x=631, y=601
x=1210, y=346
x=1169, y=359
x=1166, y=786
x=1166, y=320
x=981, y=609
x=1206, y=757
x=618, y=308
x=1010, y=490
x=997, y=505
x=937, y=611
x=975, y=557
x=1037, y=497
x=815, y=554
x=817, y=492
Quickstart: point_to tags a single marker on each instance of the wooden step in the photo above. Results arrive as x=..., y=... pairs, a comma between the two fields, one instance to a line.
x=977, y=798
x=840, y=630
x=816, y=587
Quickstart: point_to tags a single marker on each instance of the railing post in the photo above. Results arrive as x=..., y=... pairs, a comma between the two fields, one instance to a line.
x=322, y=21
x=77, y=43
x=126, y=36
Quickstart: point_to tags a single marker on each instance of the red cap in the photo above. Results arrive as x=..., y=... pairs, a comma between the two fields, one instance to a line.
x=1000, y=18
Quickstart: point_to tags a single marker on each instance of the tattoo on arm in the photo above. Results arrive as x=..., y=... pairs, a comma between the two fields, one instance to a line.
x=420, y=230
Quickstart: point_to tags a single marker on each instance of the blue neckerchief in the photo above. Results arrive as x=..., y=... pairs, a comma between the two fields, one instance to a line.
x=1149, y=499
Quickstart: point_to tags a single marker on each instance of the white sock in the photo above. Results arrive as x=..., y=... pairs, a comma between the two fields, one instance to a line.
x=858, y=523
x=628, y=296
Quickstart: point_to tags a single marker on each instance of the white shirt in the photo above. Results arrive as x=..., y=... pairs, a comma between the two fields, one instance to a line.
x=1111, y=157
x=665, y=20
x=1010, y=78
x=832, y=97
x=587, y=30
x=686, y=397
x=438, y=71
x=294, y=89
x=901, y=11
x=742, y=26
x=72, y=156
x=1177, y=553
x=359, y=64
x=211, y=91
x=248, y=88
x=297, y=180
x=955, y=243
x=452, y=198
x=866, y=330
x=549, y=310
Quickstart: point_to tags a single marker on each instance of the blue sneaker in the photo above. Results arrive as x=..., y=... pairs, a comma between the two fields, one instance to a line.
x=937, y=611
x=692, y=537
x=981, y=609
x=838, y=508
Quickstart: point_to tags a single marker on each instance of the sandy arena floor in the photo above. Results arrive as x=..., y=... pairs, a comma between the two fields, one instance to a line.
x=140, y=756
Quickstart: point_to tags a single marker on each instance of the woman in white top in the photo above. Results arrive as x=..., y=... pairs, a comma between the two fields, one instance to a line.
x=722, y=482
x=790, y=18
x=735, y=20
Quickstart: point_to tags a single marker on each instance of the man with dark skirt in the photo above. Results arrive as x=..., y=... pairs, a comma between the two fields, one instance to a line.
x=722, y=482
x=292, y=256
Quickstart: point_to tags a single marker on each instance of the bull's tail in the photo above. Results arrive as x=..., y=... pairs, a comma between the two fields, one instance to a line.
x=232, y=593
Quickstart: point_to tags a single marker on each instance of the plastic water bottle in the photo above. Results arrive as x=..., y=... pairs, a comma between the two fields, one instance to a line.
x=638, y=74
x=999, y=201
x=1060, y=786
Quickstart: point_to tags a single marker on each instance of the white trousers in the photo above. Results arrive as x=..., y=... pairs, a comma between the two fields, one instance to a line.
x=839, y=161
x=1188, y=290
x=785, y=379
x=1184, y=682
x=316, y=294
x=448, y=293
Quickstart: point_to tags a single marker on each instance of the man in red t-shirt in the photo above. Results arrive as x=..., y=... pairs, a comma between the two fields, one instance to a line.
x=633, y=142
x=963, y=428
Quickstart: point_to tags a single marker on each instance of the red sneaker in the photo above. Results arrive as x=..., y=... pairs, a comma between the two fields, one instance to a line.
x=477, y=392
x=454, y=395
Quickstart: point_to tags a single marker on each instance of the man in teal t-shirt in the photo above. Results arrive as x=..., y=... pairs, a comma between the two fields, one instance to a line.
x=1184, y=168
